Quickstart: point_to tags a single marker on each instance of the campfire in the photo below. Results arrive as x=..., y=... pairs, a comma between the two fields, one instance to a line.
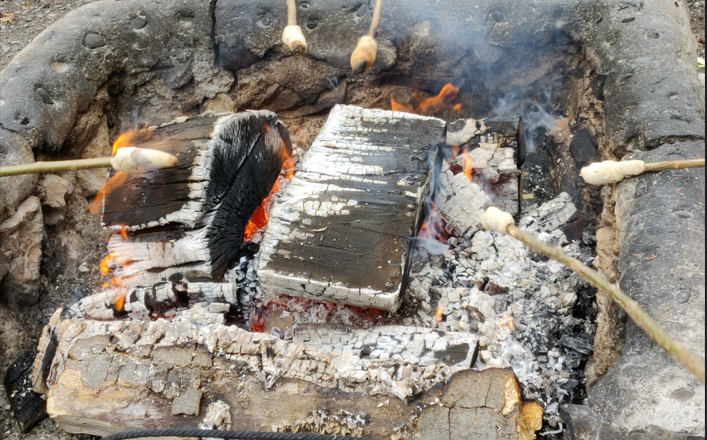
x=350, y=257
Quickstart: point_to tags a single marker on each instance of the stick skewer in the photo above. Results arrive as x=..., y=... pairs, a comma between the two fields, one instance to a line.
x=502, y=222
x=608, y=172
x=125, y=159
x=364, y=56
x=293, y=37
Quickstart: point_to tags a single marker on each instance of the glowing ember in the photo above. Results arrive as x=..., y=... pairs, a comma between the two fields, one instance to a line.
x=262, y=215
x=432, y=105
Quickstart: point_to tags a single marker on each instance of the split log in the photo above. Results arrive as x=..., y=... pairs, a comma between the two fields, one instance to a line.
x=103, y=377
x=341, y=231
x=189, y=221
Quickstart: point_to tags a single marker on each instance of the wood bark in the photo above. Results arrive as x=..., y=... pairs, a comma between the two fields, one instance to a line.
x=341, y=231
x=189, y=222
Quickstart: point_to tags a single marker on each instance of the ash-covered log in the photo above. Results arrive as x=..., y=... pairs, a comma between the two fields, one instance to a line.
x=342, y=229
x=189, y=222
x=101, y=377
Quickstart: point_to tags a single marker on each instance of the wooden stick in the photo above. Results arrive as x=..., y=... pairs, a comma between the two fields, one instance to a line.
x=377, y=13
x=609, y=172
x=497, y=220
x=365, y=54
x=293, y=37
x=53, y=167
x=126, y=159
x=292, y=12
x=675, y=165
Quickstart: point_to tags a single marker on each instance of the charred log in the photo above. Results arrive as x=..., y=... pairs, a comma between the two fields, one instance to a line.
x=342, y=229
x=104, y=377
x=189, y=222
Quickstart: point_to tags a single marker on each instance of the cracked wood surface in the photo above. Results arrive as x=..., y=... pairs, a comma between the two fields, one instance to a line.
x=189, y=222
x=103, y=376
x=341, y=231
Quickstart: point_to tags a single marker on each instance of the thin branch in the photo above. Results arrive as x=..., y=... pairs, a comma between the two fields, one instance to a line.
x=54, y=167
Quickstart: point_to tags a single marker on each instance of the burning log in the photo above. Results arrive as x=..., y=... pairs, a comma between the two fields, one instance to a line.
x=342, y=229
x=103, y=377
x=190, y=222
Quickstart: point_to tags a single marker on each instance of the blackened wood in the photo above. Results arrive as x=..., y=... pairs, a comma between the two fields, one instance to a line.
x=28, y=407
x=343, y=227
x=189, y=222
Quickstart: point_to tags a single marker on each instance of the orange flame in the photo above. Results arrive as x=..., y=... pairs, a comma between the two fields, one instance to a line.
x=440, y=312
x=468, y=164
x=261, y=217
x=131, y=138
x=432, y=105
x=127, y=139
x=112, y=184
x=120, y=302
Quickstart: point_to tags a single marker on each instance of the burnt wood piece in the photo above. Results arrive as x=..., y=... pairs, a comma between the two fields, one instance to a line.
x=342, y=229
x=189, y=222
x=495, y=182
x=107, y=376
x=28, y=407
x=150, y=302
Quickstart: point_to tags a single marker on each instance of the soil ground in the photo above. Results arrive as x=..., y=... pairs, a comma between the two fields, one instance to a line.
x=20, y=22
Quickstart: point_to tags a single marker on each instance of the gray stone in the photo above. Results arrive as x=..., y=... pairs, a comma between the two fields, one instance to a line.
x=14, y=150
x=646, y=52
x=58, y=75
x=583, y=423
x=94, y=41
x=55, y=191
x=661, y=218
x=21, y=254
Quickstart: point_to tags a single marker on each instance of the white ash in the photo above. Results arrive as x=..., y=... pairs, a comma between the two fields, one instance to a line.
x=518, y=303
x=343, y=423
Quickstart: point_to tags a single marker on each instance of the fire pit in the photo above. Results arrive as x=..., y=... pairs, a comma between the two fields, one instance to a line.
x=319, y=264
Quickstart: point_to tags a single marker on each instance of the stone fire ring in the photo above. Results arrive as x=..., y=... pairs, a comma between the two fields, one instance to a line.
x=642, y=58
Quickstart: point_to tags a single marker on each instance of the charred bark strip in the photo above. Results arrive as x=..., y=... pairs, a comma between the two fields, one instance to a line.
x=189, y=222
x=341, y=231
x=108, y=376
x=28, y=407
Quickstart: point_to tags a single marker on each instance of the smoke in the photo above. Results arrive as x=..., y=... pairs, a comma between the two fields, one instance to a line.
x=431, y=235
x=538, y=116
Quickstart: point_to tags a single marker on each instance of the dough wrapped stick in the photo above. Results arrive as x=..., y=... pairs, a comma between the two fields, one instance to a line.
x=293, y=37
x=365, y=54
x=608, y=172
x=499, y=221
x=125, y=159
